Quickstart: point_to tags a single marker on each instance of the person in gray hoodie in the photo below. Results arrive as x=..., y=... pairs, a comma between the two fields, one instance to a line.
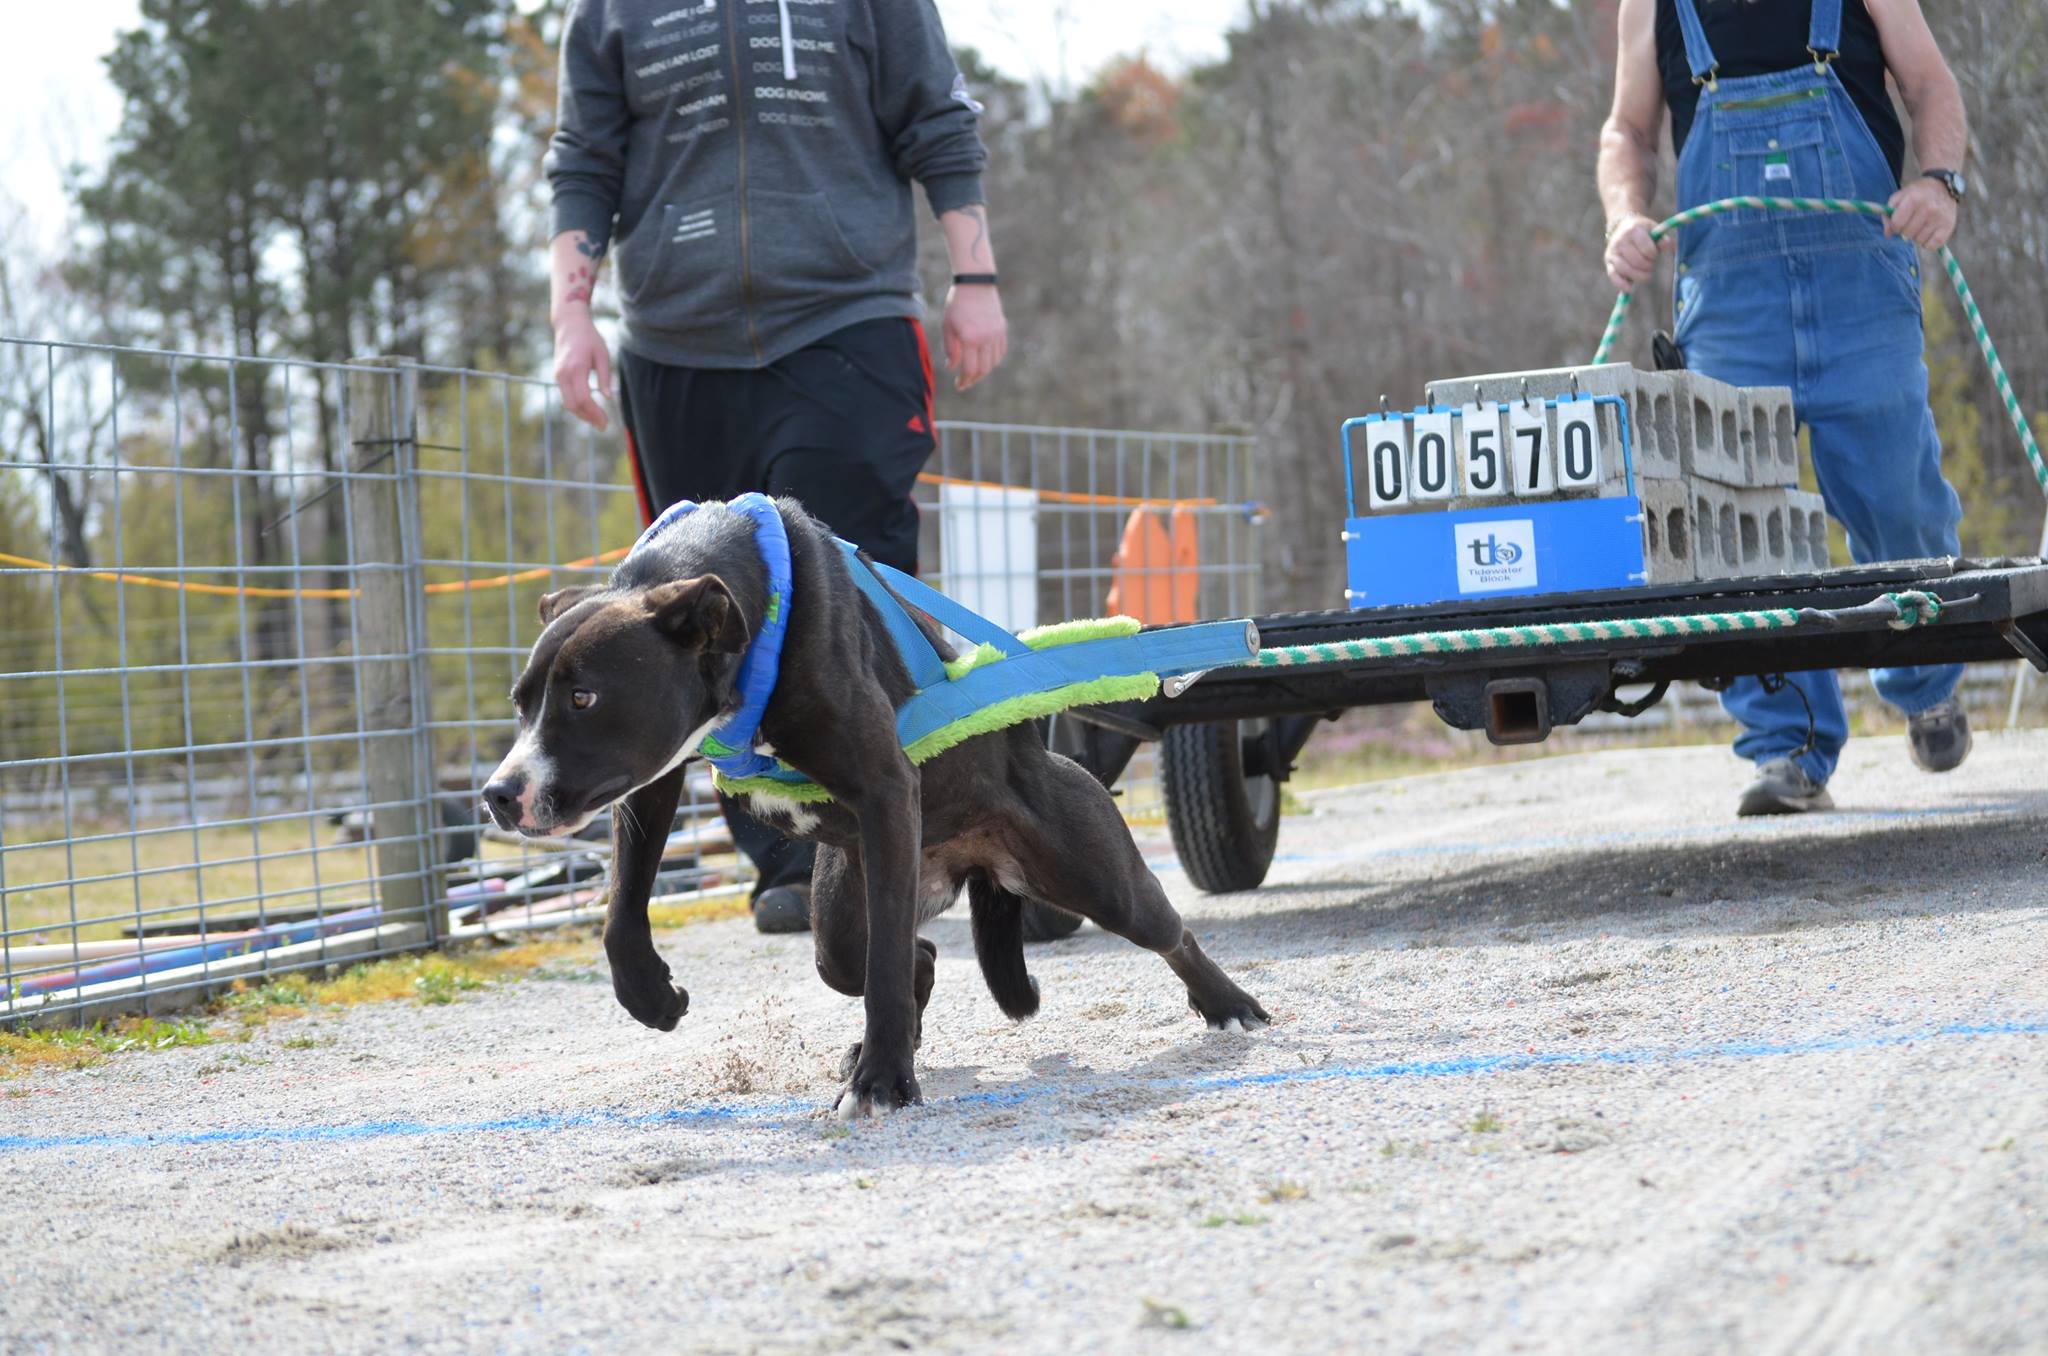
x=747, y=165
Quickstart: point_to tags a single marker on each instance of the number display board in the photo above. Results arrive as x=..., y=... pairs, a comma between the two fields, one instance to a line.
x=1517, y=449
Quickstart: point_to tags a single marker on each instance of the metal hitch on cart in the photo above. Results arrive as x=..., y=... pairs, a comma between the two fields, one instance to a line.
x=1520, y=706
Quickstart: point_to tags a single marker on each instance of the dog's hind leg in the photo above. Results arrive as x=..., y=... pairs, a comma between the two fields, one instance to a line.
x=999, y=945
x=1076, y=853
x=839, y=927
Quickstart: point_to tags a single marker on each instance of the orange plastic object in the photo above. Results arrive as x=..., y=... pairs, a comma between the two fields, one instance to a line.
x=1157, y=567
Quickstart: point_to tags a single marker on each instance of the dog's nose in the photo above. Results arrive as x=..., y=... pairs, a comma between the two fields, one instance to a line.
x=502, y=798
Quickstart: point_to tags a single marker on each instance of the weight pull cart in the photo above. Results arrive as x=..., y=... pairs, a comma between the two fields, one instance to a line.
x=1518, y=667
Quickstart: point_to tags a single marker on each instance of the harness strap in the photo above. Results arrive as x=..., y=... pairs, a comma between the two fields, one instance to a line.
x=1008, y=692
x=1166, y=653
x=969, y=626
x=926, y=668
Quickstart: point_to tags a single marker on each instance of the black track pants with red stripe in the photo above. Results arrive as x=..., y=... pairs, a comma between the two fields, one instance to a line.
x=844, y=426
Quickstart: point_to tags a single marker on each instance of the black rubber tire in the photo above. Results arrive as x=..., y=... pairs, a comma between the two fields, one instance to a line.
x=1043, y=923
x=1225, y=825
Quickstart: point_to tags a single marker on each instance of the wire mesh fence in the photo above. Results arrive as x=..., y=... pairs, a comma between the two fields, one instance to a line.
x=259, y=621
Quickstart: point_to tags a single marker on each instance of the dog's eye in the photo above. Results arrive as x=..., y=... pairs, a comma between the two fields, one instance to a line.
x=582, y=699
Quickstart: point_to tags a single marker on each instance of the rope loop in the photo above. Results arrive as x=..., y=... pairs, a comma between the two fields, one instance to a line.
x=1915, y=608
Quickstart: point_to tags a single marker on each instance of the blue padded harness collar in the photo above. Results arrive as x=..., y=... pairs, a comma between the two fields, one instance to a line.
x=730, y=748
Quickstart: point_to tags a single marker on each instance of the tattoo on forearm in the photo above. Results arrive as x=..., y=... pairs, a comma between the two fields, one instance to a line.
x=578, y=285
x=590, y=247
x=979, y=249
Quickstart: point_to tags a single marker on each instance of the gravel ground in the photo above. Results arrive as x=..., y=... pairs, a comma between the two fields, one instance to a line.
x=1565, y=1060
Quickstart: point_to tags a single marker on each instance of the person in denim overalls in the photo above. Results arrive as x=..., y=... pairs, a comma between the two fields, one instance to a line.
x=1828, y=305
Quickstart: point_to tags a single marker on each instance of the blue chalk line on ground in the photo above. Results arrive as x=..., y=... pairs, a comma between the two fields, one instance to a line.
x=770, y=1113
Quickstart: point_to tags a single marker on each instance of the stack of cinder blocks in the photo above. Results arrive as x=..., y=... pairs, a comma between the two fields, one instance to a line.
x=1716, y=466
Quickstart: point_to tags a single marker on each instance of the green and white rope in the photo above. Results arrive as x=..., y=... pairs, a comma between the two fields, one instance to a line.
x=1869, y=209
x=1913, y=608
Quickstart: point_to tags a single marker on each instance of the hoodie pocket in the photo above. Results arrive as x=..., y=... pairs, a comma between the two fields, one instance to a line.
x=797, y=248
x=681, y=272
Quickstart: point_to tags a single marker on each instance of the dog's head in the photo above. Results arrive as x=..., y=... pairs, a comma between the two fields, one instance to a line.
x=621, y=687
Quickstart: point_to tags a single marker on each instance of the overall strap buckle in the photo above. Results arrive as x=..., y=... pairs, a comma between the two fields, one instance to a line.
x=1821, y=59
x=1711, y=78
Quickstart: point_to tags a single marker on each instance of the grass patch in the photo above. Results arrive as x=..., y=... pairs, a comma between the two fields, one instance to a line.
x=1283, y=1193
x=682, y=915
x=80, y=1048
x=1244, y=1218
x=433, y=979
x=1486, y=1123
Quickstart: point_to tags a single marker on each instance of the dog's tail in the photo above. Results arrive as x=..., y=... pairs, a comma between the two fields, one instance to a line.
x=999, y=945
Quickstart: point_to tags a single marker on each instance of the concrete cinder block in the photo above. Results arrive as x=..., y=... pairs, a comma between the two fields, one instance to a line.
x=1653, y=425
x=1711, y=439
x=1617, y=379
x=1680, y=423
x=1717, y=532
x=1669, y=535
x=1764, y=531
x=1806, y=525
x=1771, y=444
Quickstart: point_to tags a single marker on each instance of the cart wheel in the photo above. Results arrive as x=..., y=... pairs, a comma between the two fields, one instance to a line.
x=1225, y=824
x=1044, y=923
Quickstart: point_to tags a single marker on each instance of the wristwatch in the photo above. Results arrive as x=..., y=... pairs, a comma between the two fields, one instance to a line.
x=1948, y=179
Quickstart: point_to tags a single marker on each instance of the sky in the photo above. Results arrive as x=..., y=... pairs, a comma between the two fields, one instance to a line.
x=61, y=110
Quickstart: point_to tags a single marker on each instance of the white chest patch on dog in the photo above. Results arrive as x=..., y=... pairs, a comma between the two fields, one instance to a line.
x=795, y=817
x=689, y=747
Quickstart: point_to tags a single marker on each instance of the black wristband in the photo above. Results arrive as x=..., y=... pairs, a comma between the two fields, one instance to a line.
x=977, y=279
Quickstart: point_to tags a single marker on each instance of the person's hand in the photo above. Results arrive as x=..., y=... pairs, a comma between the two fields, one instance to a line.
x=977, y=336
x=1924, y=213
x=1631, y=253
x=580, y=354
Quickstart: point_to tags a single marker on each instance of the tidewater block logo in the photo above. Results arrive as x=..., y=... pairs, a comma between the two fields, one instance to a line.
x=1496, y=555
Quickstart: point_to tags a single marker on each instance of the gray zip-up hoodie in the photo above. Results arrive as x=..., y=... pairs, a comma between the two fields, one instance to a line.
x=750, y=161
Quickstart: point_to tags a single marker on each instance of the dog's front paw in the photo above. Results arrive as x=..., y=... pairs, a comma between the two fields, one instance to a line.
x=1237, y=1012
x=876, y=1088
x=643, y=989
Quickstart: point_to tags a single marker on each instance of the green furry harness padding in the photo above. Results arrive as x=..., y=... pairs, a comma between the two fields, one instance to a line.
x=1006, y=679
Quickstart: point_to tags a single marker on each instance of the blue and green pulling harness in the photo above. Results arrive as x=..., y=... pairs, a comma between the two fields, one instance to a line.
x=1004, y=680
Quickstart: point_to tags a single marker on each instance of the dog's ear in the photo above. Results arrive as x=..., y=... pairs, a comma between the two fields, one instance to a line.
x=555, y=604
x=699, y=614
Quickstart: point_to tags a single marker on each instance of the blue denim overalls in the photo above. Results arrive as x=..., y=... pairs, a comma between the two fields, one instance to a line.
x=1826, y=305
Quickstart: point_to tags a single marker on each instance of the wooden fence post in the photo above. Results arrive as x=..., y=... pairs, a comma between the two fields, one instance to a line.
x=390, y=620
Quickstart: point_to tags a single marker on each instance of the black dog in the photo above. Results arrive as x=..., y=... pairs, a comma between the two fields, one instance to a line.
x=628, y=677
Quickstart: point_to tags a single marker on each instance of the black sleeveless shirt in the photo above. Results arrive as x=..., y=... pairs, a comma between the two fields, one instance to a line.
x=1756, y=37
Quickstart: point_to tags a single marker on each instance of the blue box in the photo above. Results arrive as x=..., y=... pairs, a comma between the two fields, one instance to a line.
x=1515, y=548
x=1511, y=548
